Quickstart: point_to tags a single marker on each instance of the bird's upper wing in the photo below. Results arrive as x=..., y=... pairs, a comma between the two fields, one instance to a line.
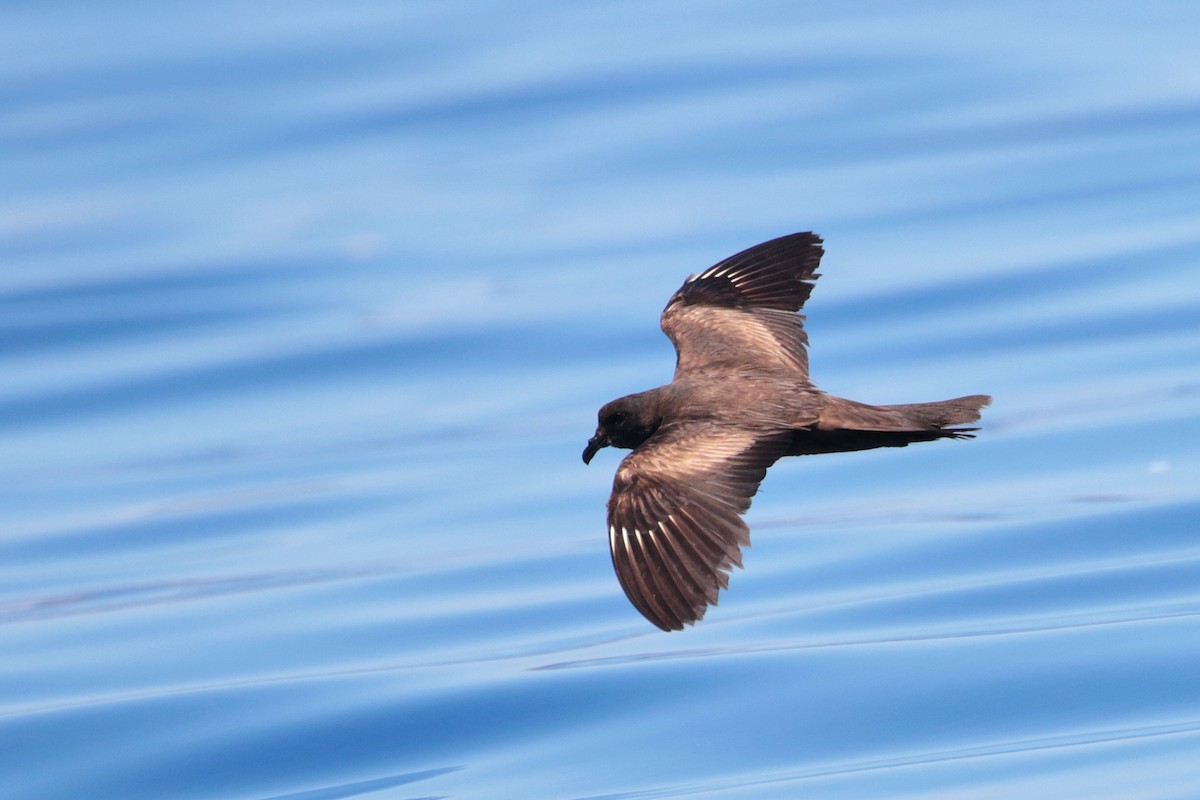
x=741, y=313
x=674, y=516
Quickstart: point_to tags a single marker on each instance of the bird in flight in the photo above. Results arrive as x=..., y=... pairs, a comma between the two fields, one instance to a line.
x=740, y=400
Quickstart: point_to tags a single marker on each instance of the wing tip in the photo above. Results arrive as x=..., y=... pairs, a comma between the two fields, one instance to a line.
x=778, y=273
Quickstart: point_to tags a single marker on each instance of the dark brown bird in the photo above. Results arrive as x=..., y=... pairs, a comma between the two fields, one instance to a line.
x=741, y=399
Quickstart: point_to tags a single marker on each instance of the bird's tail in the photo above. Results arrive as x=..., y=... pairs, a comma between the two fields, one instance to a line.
x=846, y=426
x=942, y=414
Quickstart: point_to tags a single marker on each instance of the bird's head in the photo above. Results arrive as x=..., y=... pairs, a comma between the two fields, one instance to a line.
x=625, y=422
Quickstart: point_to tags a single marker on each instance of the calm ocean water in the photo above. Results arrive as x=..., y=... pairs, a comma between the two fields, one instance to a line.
x=306, y=311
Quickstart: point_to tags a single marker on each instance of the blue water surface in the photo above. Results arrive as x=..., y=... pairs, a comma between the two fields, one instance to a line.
x=306, y=311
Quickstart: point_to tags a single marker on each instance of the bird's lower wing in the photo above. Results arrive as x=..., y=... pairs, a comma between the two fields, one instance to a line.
x=675, y=526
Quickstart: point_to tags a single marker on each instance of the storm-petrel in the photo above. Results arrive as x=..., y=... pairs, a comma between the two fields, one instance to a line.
x=740, y=400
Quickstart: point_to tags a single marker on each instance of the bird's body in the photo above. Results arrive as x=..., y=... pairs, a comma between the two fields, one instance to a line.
x=741, y=399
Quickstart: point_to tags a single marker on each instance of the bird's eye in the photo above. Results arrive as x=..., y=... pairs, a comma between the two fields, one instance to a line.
x=615, y=418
